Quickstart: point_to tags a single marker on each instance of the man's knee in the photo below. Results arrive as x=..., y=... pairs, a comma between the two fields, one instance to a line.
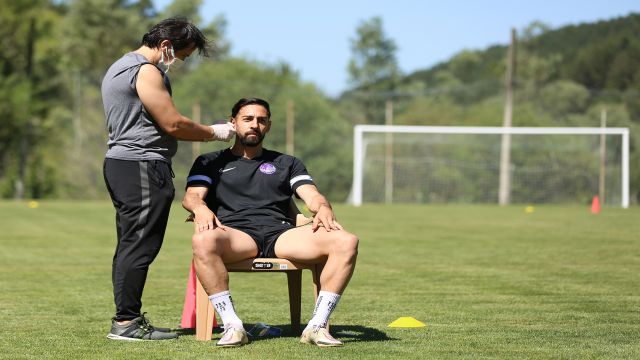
x=206, y=243
x=347, y=244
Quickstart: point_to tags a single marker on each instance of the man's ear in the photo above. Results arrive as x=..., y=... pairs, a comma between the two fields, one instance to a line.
x=164, y=43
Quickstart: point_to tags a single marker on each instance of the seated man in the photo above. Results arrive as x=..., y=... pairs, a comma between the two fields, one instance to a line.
x=240, y=199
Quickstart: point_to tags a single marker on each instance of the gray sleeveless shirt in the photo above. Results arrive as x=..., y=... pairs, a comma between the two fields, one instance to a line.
x=133, y=134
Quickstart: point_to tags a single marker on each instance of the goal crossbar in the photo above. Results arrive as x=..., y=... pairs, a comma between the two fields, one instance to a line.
x=359, y=130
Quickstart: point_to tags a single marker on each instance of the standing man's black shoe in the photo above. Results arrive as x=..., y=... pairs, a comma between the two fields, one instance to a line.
x=139, y=329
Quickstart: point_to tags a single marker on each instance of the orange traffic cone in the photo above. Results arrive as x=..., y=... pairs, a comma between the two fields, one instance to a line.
x=595, y=205
x=189, y=309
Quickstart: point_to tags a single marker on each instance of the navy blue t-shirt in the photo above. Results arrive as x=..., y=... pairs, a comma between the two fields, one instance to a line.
x=244, y=190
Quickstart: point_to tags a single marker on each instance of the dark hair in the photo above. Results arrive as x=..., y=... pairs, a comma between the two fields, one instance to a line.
x=249, y=101
x=180, y=32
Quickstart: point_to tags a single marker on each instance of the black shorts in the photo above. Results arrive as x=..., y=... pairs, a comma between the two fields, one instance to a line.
x=264, y=235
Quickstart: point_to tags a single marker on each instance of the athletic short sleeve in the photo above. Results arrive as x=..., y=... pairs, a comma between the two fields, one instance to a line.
x=299, y=175
x=199, y=174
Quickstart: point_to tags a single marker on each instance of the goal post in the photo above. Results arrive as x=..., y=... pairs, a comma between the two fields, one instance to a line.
x=560, y=160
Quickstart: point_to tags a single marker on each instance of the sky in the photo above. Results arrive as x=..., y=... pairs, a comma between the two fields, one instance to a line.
x=314, y=37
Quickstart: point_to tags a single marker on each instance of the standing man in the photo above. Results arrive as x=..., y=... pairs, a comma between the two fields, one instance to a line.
x=144, y=128
x=240, y=199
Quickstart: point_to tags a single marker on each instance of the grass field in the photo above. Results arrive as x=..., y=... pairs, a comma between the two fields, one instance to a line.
x=489, y=282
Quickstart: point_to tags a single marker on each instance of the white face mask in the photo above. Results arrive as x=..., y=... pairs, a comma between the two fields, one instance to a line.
x=177, y=63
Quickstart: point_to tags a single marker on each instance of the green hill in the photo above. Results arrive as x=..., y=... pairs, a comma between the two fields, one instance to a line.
x=601, y=55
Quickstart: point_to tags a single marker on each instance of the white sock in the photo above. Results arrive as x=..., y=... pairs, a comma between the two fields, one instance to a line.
x=224, y=307
x=325, y=304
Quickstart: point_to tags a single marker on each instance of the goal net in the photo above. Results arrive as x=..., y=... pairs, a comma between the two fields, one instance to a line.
x=441, y=164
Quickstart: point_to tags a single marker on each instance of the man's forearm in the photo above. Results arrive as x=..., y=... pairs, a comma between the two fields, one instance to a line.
x=185, y=129
x=191, y=202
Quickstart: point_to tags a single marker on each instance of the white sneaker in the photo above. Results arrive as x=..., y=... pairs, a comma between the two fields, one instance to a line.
x=319, y=336
x=232, y=337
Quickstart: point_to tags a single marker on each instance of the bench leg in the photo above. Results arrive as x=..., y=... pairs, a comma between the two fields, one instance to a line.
x=204, y=314
x=294, y=278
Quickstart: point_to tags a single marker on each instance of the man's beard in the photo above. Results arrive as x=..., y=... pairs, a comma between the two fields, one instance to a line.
x=253, y=142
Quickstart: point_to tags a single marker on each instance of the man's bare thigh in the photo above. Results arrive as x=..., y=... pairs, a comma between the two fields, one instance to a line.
x=236, y=244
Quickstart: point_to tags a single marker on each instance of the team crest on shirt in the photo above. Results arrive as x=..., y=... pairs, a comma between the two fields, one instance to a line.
x=267, y=168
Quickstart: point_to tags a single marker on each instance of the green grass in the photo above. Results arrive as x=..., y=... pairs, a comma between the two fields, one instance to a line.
x=489, y=282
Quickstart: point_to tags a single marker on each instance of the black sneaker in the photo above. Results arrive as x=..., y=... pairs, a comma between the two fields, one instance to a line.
x=148, y=322
x=139, y=329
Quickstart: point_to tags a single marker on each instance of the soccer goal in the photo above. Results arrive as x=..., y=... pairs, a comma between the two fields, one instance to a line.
x=452, y=164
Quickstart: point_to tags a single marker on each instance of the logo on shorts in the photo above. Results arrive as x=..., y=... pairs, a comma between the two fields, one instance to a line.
x=267, y=168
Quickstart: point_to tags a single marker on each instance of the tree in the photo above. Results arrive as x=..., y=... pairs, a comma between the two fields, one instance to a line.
x=29, y=83
x=185, y=8
x=94, y=33
x=373, y=69
x=373, y=57
x=215, y=32
x=534, y=30
x=563, y=97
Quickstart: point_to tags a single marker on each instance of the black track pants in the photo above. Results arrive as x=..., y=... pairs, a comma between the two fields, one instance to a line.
x=141, y=192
